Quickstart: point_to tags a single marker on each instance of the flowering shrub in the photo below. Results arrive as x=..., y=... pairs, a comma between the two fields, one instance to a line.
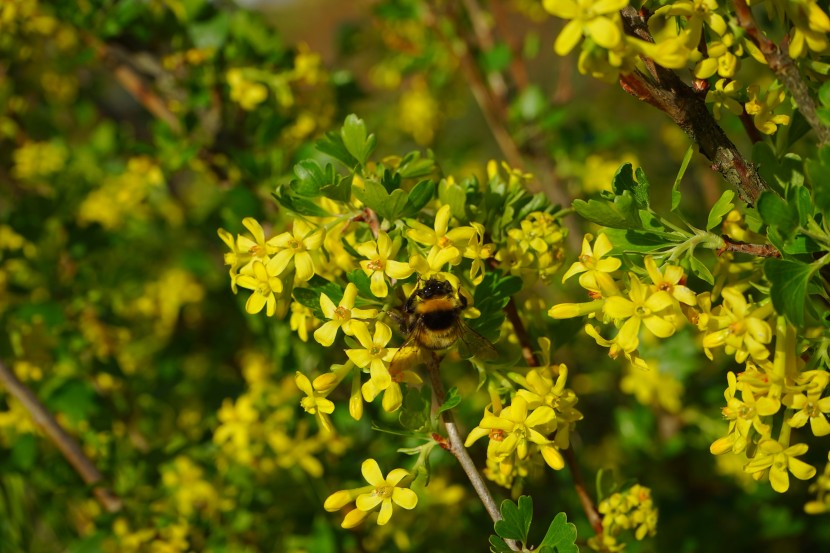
x=614, y=327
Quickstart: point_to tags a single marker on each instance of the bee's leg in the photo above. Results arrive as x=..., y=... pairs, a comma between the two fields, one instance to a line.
x=400, y=320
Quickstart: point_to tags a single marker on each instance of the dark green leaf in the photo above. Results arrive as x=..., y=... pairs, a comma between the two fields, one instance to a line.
x=299, y=205
x=818, y=171
x=561, y=535
x=675, y=189
x=721, y=208
x=340, y=190
x=516, y=519
x=362, y=281
x=640, y=241
x=788, y=287
x=497, y=545
x=776, y=212
x=824, y=94
x=414, y=166
x=418, y=197
x=309, y=179
x=415, y=409
x=23, y=452
x=497, y=58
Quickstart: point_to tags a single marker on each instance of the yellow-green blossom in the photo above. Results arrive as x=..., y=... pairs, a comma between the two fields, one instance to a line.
x=340, y=316
x=633, y=510
x=723, y=97
x=381, y=492
x=441, y=236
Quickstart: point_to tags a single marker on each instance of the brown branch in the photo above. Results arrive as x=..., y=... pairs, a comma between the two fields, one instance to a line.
x=67, y=445
x=667, y=92
x=521, y=333
x=780, y=62
x=758, y=250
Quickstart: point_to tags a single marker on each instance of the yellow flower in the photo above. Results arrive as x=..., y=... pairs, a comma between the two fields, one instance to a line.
x=762, y=108
x=671, y=280
x=810, y=406
x=597, y=19
x=296, y=245
x=642, y=306
x=340, y=316
x=378, y=262
x=743, y=418
x=744, y=333
x=265, y=284
x=594, y=268
x=779, y=461
x=381, y=492
x=315, y=402
x=374, y=354
x=723, y=97
x=440, y=235
x=302, y=320
x=248, y=94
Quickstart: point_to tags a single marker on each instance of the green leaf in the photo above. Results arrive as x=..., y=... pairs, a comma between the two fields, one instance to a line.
x=818, y=173
x=517, y=518
x=374, y=195
x=721, y=208
x=824, y=94
x=788, y=287
x=355, y=139
x=74, y=398
x=332, y=144
x=452, y=400
x=309, y=295
x=497, y=545
x=418, y=197
x=299, y=205
x=309, y=179
x=776, y=212
x=640, y=241
x=453, y=195
x=415, y=409
x=622, y=213
x=561, y=535
x=701, y=270
x=497, y=58
x=413, y=166
x=212, y=33
x=624, y=180
x=675, y=189
x=340, y=190
x=24, y=452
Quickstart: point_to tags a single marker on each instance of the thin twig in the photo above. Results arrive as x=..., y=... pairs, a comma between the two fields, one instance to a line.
x=67, y=445
x=758, y=250
x=780, y=62
x=455, y=444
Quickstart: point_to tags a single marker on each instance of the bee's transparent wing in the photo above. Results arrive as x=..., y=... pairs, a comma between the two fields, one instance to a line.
x=473, y=344
x=408, y=355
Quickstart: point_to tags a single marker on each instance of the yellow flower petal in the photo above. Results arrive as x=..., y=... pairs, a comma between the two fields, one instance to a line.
x=405, y=498
x=371, y=472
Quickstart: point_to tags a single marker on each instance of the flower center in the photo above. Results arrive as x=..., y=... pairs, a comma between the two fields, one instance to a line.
x=497, y=435
x=443, y=242
x=375, y=265
x=294, y=245
x=342, y=313
x=384, y=492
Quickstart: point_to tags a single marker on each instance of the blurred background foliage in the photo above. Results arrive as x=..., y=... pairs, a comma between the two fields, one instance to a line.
x=130, y=130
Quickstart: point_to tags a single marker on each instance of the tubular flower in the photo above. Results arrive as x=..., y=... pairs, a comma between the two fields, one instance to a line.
x=296, y=245
x=236, y=258
x=315, y=402
x=340, y=316
x=597, y=19
x=593, y=270
x=434, y=263
x=381, y=491
x=615, y=348
x=478, y=251
x=642, y=306
x=810, y=27
x=671, y=280
x=773, y=457
x=632, y=509
x=722, y=97
x=265, y=284
x=743, y=332
x=378, y=262
x=374, y=354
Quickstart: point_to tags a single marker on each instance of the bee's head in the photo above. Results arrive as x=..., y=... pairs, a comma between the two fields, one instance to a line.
x=434, y=287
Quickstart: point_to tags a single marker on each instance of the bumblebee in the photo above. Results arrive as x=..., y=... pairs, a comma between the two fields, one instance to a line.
x=431, y=320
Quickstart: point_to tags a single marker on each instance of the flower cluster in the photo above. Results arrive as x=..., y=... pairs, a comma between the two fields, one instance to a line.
x=774, y=389
x=700, y=34
x=631, y=510
x=537, y=423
